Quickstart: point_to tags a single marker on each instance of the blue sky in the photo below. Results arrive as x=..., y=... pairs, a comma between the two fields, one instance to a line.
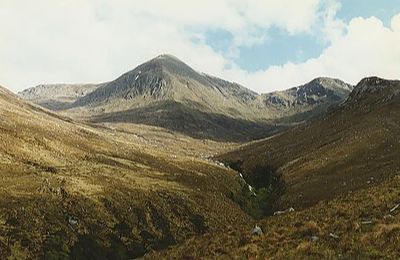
x=265, y=45
x=282, y=47
x=383, y=9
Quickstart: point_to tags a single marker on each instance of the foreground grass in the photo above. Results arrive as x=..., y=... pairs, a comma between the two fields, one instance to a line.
x=69, y=190
x=357, y=225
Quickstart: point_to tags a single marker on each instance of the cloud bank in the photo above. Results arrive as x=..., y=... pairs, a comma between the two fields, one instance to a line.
x=50, y=41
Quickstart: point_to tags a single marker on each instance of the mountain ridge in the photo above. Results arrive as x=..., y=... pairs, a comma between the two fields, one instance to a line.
x=152, y=89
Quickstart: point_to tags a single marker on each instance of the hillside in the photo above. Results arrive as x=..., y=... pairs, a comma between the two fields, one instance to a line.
x=118, y=190
x=354, y=145
x=168, y=93
x=361, y=225
x=340, y=174
x=73, y=190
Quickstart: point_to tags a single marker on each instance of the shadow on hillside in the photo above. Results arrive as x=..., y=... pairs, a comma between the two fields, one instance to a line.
x=266, y=187
x=56, y=105
x=316, y=113
x=188, y=120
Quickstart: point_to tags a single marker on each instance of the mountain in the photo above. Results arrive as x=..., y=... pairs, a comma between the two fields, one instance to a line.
x=57, y=96
x=309, y=100
x=166, y=78
x=374, y=90
x=73, y=191
x=329, y=187
x=168, y=93
x=354, y=144
x=323, y=189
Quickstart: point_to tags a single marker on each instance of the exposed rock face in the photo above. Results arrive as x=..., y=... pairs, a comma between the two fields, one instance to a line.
x=377, y=88
x=320, y=90
x=167, y=78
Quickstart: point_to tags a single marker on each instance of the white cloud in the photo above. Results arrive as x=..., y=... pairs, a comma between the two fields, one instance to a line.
x=96, y=40
x=47, y=41
x=367, y=48
x=395, y=24
x=332, y=27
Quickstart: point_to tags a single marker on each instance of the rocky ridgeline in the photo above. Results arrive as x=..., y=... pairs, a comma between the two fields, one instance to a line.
x=387, y=89
x=166, y=92
x=52, y=91
x=317, y=91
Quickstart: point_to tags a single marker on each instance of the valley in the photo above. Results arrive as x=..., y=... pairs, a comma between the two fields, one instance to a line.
x=69, y=189
x=334, y=184
x=169, y=163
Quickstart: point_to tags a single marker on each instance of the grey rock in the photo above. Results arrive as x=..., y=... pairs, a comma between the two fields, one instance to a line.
x=257, y=231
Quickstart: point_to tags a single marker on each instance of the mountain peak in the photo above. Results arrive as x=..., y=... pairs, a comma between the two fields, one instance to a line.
x=330, y=82
x=376, y=88
x=166, y=56
x=315, y=92
x=166, y=77
x=166, y=64
x=166, y=61
x=376, y=82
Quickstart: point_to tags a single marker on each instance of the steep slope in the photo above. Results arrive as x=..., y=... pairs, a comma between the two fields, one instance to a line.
x=353, y=146
x=168, y=93
x=361, y=225
x=69, y=190
x=57, y=96
x=167, y=78
x=341, y=175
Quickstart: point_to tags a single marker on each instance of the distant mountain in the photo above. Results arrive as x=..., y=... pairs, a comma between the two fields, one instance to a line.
x=165, y=78
x=374, y=90
x=309, y=100
x=167, y=92
x=355, y=144
x=57, y=96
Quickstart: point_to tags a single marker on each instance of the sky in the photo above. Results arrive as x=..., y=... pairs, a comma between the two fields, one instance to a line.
x=265, y=45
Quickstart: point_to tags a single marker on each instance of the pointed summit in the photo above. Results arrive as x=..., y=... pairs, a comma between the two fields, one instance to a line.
x=166, y=56
x=165, y=77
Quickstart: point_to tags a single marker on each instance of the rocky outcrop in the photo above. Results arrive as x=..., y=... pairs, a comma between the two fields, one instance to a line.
x=376, y=88
x=317, y=91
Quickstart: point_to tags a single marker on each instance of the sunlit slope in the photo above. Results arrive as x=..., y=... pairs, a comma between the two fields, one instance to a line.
x=71, y=190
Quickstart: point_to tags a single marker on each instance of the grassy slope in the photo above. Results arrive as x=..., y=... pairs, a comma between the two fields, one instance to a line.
x=350, y=147
x=132, y=197
x=71, y=189
x=341, y=174
x=362, y=222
